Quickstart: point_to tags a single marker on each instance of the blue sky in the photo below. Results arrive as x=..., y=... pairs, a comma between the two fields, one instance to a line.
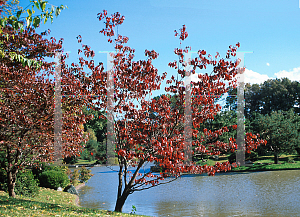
x=268, y=28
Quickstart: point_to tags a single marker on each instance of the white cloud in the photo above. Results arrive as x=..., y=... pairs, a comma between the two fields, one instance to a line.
x=254, y=77
x=250, y=77
x=268, y=64
x=293, y=75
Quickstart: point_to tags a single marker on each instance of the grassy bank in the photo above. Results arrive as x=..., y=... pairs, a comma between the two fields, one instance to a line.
x=48, y=203
x=264, y=163
x=83, y=162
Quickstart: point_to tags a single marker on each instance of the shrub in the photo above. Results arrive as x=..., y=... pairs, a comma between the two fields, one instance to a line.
x=2, y=179
x=54, y=179
x=85, y=174
x=291, y=160
x=25, y=183
x=41, y=167
x=253, y=156
x=70, y=160
x=232, y=158
x=38, y=168
x=63, y=169
x=71, y=189
x=75, y=177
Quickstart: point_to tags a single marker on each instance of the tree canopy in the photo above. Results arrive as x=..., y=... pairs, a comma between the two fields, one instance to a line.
x=27, y=105
x=281, y=129
x=141, y=138
x=272, y=95
x=10, y=14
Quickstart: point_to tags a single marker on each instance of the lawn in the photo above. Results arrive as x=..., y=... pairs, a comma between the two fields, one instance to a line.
x=211, y=162
x=85, y=162
x=267, y=163
x=262, y=167
x=48, y=203
x=263, y=163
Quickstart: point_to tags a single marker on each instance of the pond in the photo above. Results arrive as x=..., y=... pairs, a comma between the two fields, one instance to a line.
x=270, y=193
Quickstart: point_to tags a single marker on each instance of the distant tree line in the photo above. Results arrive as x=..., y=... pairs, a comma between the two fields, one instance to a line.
x=272, y=109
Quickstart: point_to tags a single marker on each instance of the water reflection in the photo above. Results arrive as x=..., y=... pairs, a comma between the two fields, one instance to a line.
x=274, y=193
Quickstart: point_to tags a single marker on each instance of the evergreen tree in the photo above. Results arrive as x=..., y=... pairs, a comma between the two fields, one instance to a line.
x=281, y=130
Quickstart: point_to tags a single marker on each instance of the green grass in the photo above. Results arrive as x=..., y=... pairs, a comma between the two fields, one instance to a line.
x=211, y=162
x=267, y=163
x=83, y=162
x=258, y=167
x=48, y=203
x=263, y=163
x=86, y=162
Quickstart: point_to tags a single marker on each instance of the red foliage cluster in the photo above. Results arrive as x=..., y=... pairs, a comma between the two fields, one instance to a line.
x=183, y=33
x=154, y=132
x=27, y=102
x=110, y=22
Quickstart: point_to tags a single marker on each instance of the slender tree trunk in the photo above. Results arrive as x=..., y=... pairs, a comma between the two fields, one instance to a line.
x=275, y=158
x=11, y=181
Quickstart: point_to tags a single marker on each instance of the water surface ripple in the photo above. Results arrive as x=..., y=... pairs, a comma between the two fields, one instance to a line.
x=270, y=193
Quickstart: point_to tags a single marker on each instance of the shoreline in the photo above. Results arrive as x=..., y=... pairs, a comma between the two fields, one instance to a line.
x=262, y=170
x=77, y=197
x=88, y=165
x=235, y=171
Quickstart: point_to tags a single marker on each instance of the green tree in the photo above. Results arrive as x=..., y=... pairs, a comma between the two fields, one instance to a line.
x=272, y=95
x=97, y=124
x=85, y=174
x=91, y=146
x=26, y=106
x=9, y=8
x=96, y=127
x=222, y=119
x=10, y=14
x=281, y=130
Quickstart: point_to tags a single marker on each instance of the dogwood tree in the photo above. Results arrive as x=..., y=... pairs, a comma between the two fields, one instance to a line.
x=27, y=103
x=151, y=130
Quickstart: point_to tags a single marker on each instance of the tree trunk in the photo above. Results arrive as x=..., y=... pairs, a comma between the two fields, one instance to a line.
x=298, y=150
x=121, y=201
x=121, y=198
x=127, y=190
x=11, y=174
x=11, y=181
x=275, y=158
